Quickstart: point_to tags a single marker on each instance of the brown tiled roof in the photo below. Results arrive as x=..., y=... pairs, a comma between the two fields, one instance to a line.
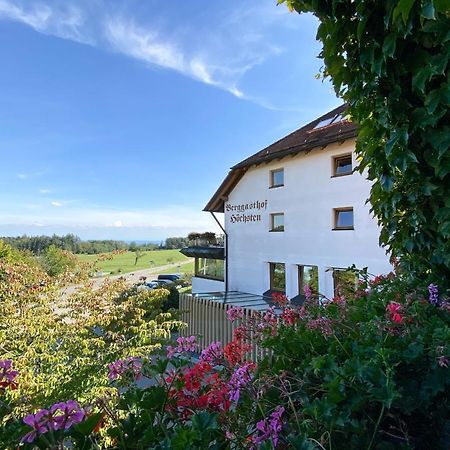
x=302, y=140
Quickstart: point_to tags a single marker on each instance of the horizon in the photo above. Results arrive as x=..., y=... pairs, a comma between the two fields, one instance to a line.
x=120, y=121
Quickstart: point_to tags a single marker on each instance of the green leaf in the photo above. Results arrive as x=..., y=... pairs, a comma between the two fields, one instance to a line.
x=389, y=44
x=428, y=10
x=421, y=77
x=204, y=421
x=87, y=426
x=403, y=7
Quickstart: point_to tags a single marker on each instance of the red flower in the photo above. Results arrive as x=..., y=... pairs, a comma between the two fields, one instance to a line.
x=394, y=310
x=235, y=351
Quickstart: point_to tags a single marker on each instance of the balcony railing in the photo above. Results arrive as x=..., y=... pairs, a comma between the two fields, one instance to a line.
x=206, y=318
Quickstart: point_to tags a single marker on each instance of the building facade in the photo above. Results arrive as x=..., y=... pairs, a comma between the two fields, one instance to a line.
x=295, y=214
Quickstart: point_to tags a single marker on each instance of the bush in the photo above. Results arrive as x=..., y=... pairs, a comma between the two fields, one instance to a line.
x=61, y=342
x=365, y=372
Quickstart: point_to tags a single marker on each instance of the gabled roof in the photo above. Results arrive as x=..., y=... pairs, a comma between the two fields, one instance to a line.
x=327, y=129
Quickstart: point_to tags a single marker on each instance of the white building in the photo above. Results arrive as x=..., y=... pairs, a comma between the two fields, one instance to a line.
x=295, y=213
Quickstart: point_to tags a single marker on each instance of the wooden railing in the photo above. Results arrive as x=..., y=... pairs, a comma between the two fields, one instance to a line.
x=207, y=319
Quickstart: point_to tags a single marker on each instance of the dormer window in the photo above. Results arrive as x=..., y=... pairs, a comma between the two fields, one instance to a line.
x=342, y=165
x=276, y=178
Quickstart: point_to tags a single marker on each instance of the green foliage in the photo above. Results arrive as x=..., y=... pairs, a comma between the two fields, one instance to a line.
x=62, y=341
x=355, y=378
x=389, y=61
x=56, y=261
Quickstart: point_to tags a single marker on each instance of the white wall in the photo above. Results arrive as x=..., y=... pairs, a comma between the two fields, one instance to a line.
x=307, y=199
x=200, y=285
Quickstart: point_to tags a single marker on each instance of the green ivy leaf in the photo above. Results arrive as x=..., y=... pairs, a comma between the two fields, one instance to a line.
x=403, y=7
x=428, y=10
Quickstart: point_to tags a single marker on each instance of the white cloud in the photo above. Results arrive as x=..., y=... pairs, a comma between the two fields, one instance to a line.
x=66, y=22
x=220, y=51
x=44, y=191
x=108, y=223
x=26, y=175
x=147, y=45
x=56, y=204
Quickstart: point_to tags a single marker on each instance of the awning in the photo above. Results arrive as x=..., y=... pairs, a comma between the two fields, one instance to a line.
x=204, y=252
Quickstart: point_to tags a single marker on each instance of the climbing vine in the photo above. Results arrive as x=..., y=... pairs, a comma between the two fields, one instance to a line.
x=388, y=60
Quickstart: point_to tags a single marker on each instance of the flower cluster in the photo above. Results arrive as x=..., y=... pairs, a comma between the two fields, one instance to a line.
x=280, y=299
x=269, y=428
x=61, y=416
x=322, y=324
x=393, y=310
x=7, y=375
x=433, y=290
x=198, y=387
x=213, y=353
x=235, y=351
x=234, y=313
x=307, y=291
x=185, y=344
x=125, y=366
x=289, y=316
x=241, y=377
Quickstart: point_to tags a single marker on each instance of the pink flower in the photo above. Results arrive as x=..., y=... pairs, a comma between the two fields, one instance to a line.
x=234, y=313
x=70, y=413
x=239, y=379
x=185, y=344
x=129, y=365
x=212, y=353
x=41, y=422
x=307, y=291
x=322, y=324
x=289, y=316
x=269, y=429
x=280, y=299
x=394, y=309
x=443, y=361
x=7, y=375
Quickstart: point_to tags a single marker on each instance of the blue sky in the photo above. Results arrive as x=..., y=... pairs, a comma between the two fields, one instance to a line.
x=119, y=119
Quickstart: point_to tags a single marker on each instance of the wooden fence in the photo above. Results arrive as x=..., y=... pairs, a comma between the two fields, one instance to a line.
x=207, y=319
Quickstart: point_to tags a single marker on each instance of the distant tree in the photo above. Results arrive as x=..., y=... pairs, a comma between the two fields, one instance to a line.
x=56, y=261
x=176, y=242
x=138, y=253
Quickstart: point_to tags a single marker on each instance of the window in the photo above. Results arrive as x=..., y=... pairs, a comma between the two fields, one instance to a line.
x=277, y=277
x=343, y=219
x=209, y=268
x=345, y=282
x=308, y=276
x=277, y=178
x=342, y=165
x=334, y=119
x=277, y=222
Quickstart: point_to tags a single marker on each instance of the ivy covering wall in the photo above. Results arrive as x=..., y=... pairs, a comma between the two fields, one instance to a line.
x=388, y=60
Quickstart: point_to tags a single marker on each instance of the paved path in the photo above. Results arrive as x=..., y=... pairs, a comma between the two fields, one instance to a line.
x=131, y=277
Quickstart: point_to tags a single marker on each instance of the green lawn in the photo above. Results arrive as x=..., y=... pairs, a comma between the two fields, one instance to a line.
x=150, y=260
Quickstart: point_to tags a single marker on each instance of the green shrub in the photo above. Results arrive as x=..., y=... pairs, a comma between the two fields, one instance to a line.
x=366, y=372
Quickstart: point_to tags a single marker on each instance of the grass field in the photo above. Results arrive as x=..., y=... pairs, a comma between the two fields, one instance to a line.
x=150, y=260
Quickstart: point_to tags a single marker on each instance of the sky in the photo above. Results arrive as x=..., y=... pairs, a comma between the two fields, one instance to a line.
x=120, y=118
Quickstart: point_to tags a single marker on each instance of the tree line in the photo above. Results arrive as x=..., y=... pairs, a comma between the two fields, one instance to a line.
x=38, y=245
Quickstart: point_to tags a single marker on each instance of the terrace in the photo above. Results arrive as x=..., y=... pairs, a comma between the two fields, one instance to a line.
x=206, y=316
